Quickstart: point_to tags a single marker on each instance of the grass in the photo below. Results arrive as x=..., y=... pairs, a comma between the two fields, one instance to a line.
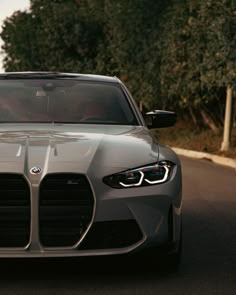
x=185, y=135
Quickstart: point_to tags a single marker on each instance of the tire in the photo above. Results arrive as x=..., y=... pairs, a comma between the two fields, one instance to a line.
x=165, y=259
x=171, y=259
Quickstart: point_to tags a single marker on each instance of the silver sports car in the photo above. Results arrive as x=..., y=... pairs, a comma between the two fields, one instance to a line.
x=81, y=174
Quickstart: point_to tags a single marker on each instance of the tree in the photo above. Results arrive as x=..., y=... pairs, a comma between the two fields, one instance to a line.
x=131, y=27
x=198, y=55
x=53, y=35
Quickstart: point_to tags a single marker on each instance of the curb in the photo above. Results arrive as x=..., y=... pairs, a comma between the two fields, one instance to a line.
x=201, y=155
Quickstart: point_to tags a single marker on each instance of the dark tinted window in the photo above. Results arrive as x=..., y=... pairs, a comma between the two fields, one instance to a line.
x=64, y=100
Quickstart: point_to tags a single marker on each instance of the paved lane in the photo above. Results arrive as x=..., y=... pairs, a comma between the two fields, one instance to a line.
x=209, y=256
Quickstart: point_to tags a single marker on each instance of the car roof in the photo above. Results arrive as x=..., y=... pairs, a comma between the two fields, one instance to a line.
x=51, y=75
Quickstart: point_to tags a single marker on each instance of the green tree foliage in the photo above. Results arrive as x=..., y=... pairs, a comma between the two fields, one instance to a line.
x=54, y=35
x=198, y=55
x=130, y=28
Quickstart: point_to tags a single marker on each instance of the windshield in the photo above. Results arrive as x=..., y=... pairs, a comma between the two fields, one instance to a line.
x=64, y=101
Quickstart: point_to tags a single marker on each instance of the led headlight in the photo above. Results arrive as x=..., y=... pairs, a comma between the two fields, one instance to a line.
x=147, y=175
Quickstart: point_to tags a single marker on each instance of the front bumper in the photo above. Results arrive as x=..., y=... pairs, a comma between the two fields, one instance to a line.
x=123, y=221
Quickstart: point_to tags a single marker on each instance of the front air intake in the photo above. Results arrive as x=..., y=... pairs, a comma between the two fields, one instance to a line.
x=112, y=234
x=66, y=207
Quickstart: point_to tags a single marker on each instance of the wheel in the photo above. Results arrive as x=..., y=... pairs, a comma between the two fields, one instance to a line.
x=166, y=258
x=171, y=259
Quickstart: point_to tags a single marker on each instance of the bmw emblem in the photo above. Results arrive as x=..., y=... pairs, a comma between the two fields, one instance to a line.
x=35, y=170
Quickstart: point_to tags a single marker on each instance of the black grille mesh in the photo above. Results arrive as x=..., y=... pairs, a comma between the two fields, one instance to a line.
x=14, y=211
x=65, y=209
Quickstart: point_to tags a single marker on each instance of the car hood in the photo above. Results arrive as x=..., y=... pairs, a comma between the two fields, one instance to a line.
x=75, y=148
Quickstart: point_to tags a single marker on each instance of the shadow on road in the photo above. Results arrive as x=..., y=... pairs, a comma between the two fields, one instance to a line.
x=78, y=268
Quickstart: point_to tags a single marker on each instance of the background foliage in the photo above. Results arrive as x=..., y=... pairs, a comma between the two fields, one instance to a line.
x=172, y=54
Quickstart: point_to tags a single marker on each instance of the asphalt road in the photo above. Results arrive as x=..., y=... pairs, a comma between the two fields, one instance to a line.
x=209, y=251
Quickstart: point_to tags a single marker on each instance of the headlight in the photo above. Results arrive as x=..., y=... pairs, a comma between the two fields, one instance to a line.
x=147, y=175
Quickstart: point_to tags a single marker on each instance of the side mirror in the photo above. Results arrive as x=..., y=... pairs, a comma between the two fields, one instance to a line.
x=160, y=119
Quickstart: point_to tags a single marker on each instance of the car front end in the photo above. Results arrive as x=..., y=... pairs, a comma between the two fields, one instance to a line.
x=74, y=186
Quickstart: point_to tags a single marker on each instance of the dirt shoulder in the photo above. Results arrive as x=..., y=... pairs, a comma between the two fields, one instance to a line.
x=184, y=135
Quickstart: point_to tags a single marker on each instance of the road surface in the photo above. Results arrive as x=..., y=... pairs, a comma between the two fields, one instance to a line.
x=209, y=251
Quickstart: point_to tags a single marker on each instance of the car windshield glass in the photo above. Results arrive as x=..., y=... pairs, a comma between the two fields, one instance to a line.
x=64, y=101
